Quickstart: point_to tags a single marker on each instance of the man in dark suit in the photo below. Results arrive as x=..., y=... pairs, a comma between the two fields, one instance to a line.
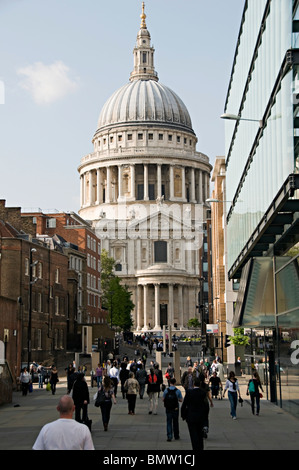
x=194, y=410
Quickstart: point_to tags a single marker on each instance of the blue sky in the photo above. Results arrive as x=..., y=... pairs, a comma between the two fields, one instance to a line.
x=61, y=60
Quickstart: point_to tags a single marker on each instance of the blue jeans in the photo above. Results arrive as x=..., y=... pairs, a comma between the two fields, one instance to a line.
x=40, y=380
x=172, y=417
x=233, y=399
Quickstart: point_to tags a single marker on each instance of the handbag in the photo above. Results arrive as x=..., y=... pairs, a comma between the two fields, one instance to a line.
x=261, y=395
x=100, y=398
x=48, y=387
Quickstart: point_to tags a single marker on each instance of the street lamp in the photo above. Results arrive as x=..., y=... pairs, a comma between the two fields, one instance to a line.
x=216, y=200
x=234, y=117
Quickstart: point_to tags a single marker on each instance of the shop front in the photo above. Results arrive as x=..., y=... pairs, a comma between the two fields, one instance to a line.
x=268, y=309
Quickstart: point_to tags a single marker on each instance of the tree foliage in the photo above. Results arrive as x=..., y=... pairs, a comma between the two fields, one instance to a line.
x=239, y=339
x=116, y=298
x=193, y=323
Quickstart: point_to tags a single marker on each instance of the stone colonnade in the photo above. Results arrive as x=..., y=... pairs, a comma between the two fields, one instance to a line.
x=144, y=181
x=161, y=303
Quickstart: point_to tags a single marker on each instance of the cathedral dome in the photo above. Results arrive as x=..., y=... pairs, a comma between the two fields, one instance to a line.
x=145, y=101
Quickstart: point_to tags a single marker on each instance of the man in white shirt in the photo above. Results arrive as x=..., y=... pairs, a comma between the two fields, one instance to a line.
x=65, y=433
x=114, y=376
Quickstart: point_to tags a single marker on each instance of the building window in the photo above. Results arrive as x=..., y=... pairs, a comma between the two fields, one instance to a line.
x=169, y=138
x=27, y=267
x=56, y=305
x=161, y=136
x=160, y=252
x=118, y=267
x=51, y=223
x=178, y=139
x=130, y=136
x=140, y=136
x=40, y=270
x=151, y=137
x=57, y=276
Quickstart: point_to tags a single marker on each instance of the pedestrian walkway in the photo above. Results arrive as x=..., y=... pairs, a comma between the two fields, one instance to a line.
x=274, y=429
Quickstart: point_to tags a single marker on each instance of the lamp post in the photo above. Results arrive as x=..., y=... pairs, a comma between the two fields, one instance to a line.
x=234, y=117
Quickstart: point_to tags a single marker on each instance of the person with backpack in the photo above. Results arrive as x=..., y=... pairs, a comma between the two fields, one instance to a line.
x=153, y=389
x=171, y=398
x=253, y=390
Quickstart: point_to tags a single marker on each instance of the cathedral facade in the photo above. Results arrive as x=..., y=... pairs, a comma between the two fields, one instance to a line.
x=144, y=188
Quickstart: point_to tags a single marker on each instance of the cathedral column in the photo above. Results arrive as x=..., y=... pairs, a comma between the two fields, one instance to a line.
x=200, y=186
x=145, y=182
x=157, y=307
x=159, y=181
x=82, y=187
x=193, y=198
x=180, y=305
x=207, y=186
x=120, y=188
x=108, y=185
x=90, y=189
x=183, y=184
x=145, y=297
x=99, y=186
x=171, y=309
x=139, y=307
x=133, y=196
x=171, y=183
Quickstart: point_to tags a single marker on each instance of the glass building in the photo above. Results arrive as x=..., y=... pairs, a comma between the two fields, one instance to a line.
x=262, y=181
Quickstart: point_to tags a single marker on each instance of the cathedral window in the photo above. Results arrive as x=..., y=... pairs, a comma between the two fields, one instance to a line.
x=130, y=137
x=140, y=136
x=169, y=138
x=150, y=136
x=160, y=252
x=161, y=137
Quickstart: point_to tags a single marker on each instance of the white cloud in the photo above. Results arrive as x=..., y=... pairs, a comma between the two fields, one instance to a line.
x=47, y=83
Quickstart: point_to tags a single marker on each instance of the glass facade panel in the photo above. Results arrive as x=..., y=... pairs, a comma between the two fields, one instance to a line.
x=289, y=362
x=272, y=162
x=273, y=159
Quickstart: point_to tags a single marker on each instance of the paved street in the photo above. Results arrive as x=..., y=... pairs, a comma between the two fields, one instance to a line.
x=274, y=429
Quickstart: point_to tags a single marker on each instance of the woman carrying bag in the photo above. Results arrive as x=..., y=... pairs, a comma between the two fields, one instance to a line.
x=131, y=387
x=253, y=390
x=232, y=386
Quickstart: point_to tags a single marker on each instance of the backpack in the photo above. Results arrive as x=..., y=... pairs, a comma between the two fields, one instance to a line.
x=152, y=378
x=171, y=401
x=251, y=387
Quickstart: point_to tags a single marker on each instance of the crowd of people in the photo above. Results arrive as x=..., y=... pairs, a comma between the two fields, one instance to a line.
x=132, y=378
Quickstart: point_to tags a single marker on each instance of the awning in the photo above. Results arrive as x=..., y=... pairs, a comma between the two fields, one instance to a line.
x=279, y=227
x=255, y=306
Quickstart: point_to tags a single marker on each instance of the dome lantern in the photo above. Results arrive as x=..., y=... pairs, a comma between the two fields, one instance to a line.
x=143, y=54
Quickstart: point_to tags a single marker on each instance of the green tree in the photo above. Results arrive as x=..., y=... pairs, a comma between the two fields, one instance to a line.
x=239, y=339
x=193, y=323
x=116, y=298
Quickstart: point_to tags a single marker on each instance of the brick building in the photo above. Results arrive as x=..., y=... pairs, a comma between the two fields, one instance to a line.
x=33, y=316
x=76, y=238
